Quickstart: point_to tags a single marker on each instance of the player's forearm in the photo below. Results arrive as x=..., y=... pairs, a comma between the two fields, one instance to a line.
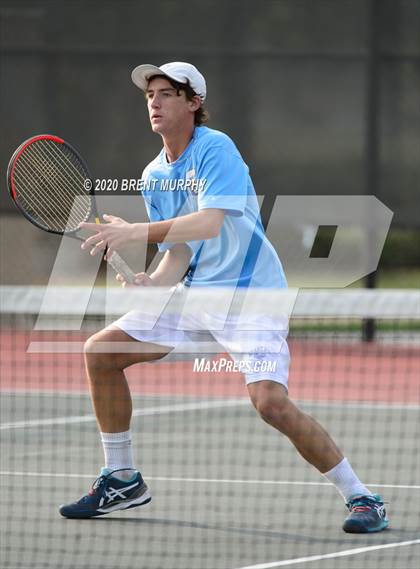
x=166, y=277
x=173, y=266
x=196, y=226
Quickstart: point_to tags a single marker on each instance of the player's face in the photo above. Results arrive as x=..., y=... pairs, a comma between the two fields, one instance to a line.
x=168, y=111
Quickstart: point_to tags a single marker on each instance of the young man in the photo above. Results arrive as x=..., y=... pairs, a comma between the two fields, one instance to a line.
x=204, y=215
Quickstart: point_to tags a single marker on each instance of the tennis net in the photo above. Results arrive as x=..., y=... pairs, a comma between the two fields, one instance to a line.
x=228, y=490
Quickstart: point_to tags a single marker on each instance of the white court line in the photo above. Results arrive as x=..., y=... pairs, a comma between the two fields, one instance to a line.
x=360, y=405
x=136, y=413
x=334, y=555
x=205, y=480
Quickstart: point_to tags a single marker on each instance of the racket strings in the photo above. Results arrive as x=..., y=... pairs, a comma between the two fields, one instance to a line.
x=78, y=174
x=68, y=159
x=40, y=204
x=47, y=155
x=44, y=160
x=49, y=179
x=49, y=172
x=43, y=174
x=42, y=209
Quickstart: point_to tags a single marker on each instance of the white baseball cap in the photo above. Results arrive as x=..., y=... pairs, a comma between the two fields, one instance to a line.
x=177, y=70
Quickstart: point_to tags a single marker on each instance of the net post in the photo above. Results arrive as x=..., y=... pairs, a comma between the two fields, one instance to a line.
x=371, y=139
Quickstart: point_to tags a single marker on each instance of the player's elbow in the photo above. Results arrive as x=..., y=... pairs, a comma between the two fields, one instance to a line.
x=214, y=222
x=212, y=232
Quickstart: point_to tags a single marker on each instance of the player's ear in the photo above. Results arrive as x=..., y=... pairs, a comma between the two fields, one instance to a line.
x=195, y=103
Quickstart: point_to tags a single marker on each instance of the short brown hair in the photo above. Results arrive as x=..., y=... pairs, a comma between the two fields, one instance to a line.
x=201, y=115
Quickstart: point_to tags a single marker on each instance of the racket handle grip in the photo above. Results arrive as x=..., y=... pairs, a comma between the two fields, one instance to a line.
x=120, y=266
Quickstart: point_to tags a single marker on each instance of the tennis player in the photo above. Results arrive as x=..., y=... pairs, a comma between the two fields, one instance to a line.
x=204, y=216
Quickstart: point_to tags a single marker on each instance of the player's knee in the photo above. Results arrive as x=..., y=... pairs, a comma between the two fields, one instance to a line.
x=267, y=410
x=90, y=347
x=271, y=406
x=97, y=352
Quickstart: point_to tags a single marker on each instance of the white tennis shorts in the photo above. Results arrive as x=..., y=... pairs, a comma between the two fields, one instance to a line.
x=261, y=354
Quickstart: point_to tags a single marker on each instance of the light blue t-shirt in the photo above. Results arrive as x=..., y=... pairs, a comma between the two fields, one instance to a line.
x=211, y=173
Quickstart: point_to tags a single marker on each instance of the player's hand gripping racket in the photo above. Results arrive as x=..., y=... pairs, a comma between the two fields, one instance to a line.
x=46, y=179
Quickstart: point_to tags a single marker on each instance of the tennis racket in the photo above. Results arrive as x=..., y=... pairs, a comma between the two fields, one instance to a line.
x=46, y=178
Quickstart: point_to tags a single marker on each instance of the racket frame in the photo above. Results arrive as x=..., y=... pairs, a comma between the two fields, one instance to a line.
x=13, y=194
x=116, y=261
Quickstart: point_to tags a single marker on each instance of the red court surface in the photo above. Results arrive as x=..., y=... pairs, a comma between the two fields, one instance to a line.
x=320, y=371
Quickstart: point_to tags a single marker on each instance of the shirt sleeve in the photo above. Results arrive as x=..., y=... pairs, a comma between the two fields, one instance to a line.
x=224, y=176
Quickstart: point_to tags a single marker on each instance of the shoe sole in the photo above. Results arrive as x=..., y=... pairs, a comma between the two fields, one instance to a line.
x=355, y=529
x=140, y=501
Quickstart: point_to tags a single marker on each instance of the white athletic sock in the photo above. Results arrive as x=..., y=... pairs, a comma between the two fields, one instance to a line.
x=118, y=453
x=346, y=481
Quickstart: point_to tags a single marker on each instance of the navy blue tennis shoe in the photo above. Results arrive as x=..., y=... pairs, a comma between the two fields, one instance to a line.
x=109, y=494
x=367, y=514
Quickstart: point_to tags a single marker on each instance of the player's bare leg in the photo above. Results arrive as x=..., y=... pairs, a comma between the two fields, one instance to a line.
x=310, y=439
x=119, y=486
x=367, y=511
x=109, y=389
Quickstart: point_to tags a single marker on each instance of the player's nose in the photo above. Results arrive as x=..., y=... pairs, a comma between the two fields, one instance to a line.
x=154, y=102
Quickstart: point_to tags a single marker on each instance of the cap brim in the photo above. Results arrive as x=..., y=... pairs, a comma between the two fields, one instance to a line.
x=141, y=74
